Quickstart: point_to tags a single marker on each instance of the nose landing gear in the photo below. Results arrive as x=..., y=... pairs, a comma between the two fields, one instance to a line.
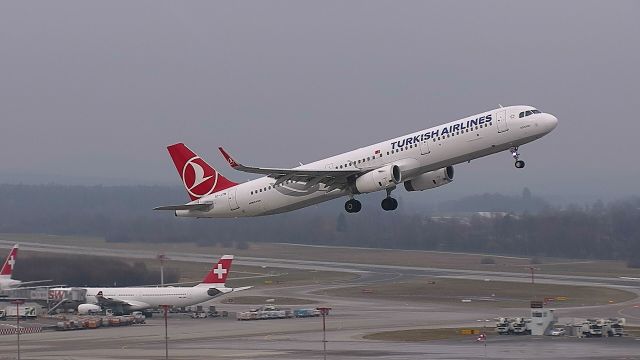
x=516, y=155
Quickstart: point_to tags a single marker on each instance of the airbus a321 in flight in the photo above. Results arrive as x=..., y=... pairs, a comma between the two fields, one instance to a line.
x=422, y=160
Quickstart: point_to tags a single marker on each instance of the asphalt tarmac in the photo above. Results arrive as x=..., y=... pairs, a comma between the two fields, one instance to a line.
x=349, y=321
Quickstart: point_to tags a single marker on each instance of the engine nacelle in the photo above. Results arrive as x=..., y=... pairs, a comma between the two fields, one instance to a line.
x=84, y=309
x=379, y=179
x=430, y=180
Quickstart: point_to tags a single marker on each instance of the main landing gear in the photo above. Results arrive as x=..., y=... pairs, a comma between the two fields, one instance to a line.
x=389, y=203
x=352, y=205
x=514, y=152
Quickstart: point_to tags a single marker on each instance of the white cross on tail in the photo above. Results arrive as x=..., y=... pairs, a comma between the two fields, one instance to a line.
x=219, y=271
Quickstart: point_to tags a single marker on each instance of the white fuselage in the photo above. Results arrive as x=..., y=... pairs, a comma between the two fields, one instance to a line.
x=6, y=282
x=140, y=298
x=415, y=154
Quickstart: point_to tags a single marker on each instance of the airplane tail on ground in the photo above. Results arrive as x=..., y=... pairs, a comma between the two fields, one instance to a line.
x=9, y=263
x=218, y=273
x=198, y=177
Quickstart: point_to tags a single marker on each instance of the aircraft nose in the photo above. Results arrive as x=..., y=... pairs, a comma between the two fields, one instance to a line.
x=549, y=122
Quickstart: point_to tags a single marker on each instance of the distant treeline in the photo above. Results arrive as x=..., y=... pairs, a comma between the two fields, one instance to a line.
x=523, y=224
x=82, y=270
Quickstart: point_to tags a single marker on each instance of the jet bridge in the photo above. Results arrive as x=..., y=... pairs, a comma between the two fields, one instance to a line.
x=46, y=297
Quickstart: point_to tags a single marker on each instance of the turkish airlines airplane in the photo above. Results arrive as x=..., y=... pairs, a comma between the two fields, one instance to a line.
x=6, y=272
x=127, y=299
x=422, y=160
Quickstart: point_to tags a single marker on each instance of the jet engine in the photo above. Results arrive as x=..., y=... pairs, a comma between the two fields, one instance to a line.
x=430, y=180
x=84, y=309
x=379, y=179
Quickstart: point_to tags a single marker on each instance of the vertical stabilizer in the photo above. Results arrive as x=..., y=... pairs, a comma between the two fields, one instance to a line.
x=198, y=177
x=9, y=263
x=219, y=272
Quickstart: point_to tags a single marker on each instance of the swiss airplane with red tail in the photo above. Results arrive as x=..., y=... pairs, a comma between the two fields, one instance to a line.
x=127, y=299
x=422, y=160
x=6, y=272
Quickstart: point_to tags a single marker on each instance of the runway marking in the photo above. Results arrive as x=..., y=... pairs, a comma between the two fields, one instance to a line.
x=621, y=312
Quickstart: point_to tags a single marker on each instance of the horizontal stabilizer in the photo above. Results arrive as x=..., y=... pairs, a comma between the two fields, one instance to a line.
x=242, y=288
x=200, y=207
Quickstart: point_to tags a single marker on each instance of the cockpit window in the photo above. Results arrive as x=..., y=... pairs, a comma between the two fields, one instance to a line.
x=529, y=112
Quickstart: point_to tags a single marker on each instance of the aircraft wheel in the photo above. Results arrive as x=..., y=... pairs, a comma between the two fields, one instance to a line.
x=358, y=205
x=389, y=204
x=352, y=206
x=519, y=164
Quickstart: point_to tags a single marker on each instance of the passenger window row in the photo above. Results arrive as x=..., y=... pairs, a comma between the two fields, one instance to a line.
x=354, y=162
x=271, y=187
x=460, y=132
x=410, y=146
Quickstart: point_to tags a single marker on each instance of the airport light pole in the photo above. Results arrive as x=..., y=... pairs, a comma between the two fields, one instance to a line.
x=18, y=302
x=166, y=332
x=324, y=311
x=162, y=257
x=533, y=270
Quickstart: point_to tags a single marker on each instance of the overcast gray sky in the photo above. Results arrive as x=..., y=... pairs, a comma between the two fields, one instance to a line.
x=93, y=91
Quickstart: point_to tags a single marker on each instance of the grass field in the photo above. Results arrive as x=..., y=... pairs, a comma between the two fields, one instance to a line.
x=484, y=293
x=633, y=331
x=415, y=335
x=259, y=300
x=360, y=255
x=242, y=275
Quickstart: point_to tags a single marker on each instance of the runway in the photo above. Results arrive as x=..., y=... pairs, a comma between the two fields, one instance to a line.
x=382, y=272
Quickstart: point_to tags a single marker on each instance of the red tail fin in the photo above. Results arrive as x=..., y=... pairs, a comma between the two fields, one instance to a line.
x=198, y=177
x=7, y=267
x=219, y=272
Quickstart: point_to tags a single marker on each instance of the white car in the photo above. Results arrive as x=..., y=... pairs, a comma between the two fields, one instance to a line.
x=558, y=332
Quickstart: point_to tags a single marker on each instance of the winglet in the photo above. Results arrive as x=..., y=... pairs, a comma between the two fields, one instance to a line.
x=228, y=158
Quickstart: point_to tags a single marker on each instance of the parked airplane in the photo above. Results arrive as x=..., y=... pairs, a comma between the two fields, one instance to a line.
x=127, y=299
x=421, y=160
x=6, y=272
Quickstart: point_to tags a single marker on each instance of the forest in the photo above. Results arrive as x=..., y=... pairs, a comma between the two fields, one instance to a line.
x=521, y=224
x=82, y=270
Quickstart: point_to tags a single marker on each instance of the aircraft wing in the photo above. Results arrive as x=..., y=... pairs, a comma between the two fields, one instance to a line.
x=31, y=283
x=328, y=177
x=198, y=281
x=37, y=287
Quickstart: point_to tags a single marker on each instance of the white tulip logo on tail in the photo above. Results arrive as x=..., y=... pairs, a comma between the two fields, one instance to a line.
x=198, y=178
